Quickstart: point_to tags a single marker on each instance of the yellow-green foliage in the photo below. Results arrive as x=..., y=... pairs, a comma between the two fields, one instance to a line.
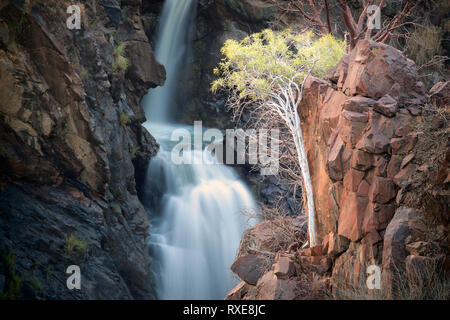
x=124, y=119
x=83, y=73
x=122, y=63
x=249, y=64
x=134, y=150
x=119, y=50
x=75, y=244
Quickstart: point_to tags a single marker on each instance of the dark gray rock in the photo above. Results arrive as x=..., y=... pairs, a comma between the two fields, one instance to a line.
x=70, y=164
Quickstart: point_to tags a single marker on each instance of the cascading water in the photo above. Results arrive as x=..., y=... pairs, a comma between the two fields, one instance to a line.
x=195, y=209
x=171, y=50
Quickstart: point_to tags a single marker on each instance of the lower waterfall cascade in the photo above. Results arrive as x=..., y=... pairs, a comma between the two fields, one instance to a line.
x=197, y=219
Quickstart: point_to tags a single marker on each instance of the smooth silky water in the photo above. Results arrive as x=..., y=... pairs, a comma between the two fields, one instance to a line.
x=197, y=219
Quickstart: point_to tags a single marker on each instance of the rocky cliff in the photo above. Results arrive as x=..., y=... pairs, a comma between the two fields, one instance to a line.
x=72, y=149
x=378, y=149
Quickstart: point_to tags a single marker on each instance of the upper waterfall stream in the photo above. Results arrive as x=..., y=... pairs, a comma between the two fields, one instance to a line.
x=195, y=209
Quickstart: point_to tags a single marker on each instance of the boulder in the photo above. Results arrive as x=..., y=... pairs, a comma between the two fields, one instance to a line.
x=374, y=141
x=318, y=264
x=284, y=268
x=361, y=160
x=359, y=104
x=355, y=116
x=372, y=238
x=270, y=287
x=250, y=267
x=386, y=106
x=377, y=69
x=336, y=244
x=352, y=130
x=382, y=190
x=238, y=292
x=349, y=269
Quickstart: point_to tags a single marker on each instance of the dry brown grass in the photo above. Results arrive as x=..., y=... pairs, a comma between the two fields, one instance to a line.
x=426, y=192
x=424, y=44
x=279, y=230
x=429, y=282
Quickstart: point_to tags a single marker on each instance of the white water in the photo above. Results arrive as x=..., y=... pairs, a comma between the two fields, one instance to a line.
x=197, y=221
x=171, y=50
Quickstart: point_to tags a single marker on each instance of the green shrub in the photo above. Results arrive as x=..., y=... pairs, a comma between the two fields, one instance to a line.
x=134, y=151
x=116, y=209
x=124, y=119
x=122, y=63
x=75, y=245
x=83, y=73
x=119, y=50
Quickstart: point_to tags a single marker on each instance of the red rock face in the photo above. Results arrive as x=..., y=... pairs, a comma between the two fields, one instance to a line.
x=367, y=122
x=362, y=132
x=360, y=140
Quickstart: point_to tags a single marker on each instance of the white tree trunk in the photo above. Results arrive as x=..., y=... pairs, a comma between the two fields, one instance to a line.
x=303, y=161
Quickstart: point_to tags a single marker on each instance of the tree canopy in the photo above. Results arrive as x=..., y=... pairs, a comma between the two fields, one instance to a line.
x=260, y=62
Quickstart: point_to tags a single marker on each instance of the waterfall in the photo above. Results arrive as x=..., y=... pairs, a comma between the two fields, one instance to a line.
x=196, y=210
x=171, y=50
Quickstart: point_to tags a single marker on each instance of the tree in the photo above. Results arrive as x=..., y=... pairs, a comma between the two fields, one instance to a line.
x=317, y=12
x=265, y=74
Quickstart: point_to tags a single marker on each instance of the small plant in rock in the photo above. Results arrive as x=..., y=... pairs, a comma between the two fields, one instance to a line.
x=116, y=209
x=122, y=63
x=83, y=73
x=75, y=245
x=112, y=34
x=134, y=150
x=18, y=26
x=124, y=119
